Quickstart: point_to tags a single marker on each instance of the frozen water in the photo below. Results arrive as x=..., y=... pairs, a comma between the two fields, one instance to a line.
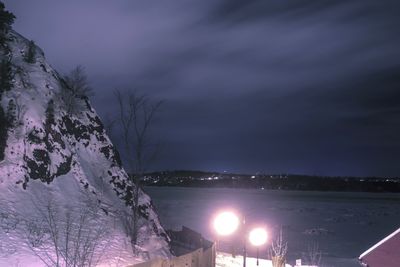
x=343, y=224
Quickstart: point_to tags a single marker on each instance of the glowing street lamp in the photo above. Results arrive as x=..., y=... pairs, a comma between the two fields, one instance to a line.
x=226, y=223
x=258, y=237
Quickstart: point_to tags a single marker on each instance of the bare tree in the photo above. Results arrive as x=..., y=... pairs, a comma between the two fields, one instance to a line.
x=109, y=123
x=74, y=88
x=78, y=82
x=278, y=250
x=68, y=237
x=314, y=254
x=136, y=116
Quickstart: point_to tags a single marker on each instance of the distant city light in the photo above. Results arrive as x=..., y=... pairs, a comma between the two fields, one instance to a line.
x=258, y=236
x=226, y=223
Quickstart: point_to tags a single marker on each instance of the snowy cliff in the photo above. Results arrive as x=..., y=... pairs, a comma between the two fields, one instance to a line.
x=55, y=163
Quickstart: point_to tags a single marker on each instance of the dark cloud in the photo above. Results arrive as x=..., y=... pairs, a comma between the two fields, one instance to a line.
x=279, y=86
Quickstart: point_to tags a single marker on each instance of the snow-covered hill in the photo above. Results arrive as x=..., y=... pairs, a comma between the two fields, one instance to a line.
x=62, y=166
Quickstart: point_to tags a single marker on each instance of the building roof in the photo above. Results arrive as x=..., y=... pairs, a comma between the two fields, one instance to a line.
x=384, y=253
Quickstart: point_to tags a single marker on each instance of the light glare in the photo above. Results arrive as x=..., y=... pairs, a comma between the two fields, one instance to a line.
x=258, y=237
x=226, y=223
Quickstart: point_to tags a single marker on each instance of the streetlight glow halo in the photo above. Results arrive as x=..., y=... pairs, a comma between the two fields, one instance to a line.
x=226, y=222
x=258, y=236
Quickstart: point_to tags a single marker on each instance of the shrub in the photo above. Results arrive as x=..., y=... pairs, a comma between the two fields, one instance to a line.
x=6, y=76
x=6, y=19
x=31, y=53
x=3, y=132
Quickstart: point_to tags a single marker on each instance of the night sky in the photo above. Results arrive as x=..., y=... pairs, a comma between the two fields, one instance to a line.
x=309, y=87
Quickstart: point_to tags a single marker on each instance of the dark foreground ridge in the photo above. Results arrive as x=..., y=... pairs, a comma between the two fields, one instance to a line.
x=272, y=181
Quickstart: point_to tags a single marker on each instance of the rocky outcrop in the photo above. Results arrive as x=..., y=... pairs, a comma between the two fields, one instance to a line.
x=49, y=148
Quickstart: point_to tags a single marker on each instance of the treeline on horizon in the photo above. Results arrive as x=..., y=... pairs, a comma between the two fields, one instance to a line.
x=272, y=182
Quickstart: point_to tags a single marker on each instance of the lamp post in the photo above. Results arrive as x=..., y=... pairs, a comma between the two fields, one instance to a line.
x=244, y=241
x=227, y=222
x=258, y=237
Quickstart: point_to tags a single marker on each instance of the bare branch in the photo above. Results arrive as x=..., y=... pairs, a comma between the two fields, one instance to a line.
x=279, y=246
x=314, y=254
x=78, y=83
x=74, y=89
x=109, y=124
x=136, y=116
x=68, y=236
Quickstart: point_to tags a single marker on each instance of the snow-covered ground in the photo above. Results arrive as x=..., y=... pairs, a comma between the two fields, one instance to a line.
x=343, y=224
x=226, y=260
